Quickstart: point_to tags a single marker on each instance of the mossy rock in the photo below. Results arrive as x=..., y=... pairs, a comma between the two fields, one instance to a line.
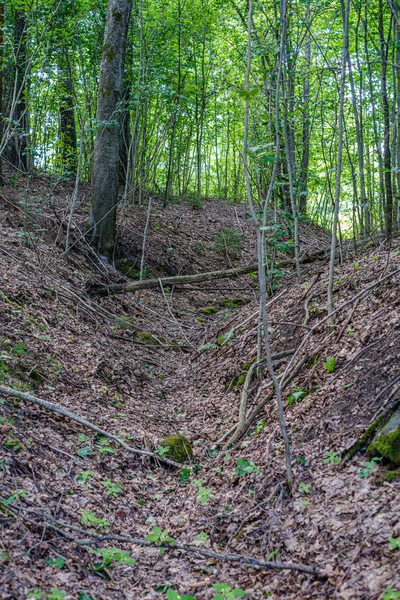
x=392, y=475
x=387, y=442
x=180, y=449
x=208, y=310
x=126, y=267
x=234, y=302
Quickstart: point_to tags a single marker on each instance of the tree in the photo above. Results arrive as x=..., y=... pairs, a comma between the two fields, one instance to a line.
x=105, y=175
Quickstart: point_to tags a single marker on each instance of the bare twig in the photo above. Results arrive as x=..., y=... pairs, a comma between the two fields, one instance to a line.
x=60, y=526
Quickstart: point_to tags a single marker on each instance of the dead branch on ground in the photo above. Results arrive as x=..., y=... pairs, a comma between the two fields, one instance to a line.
x=74, y=417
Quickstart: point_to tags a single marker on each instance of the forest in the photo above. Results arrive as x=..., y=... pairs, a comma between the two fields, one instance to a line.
x=199, y=299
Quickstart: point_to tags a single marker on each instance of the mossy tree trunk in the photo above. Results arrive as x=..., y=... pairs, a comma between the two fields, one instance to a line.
x=106, y=153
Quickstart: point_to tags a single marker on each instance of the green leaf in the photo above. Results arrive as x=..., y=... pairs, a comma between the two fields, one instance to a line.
x=331, y=457
x=245, y=467
x=36, y=594
x=56, y=595
x=56, y=562
x=84, y=452
x=184, y=475
x=305, y=487
x=391, y=594
x=201, y=539
x=330, y=364
x=394, y=543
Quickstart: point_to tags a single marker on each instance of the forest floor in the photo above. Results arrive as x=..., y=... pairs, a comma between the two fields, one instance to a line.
x=96, y=358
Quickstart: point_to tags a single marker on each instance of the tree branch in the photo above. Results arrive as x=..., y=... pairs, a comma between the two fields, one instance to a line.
x=67, y=413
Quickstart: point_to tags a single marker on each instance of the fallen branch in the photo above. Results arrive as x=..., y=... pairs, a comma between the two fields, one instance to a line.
x=60, y=526
x=246, y=393
x=98, y=289
x=67, y=413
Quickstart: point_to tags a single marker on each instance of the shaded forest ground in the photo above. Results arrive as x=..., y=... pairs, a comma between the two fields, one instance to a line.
x=152, y=364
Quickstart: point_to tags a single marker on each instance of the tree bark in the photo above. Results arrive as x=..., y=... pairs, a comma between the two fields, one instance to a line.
x=106, y=151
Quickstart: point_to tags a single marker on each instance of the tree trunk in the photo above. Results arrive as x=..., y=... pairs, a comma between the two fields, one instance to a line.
x=1, y=85
x=18, y=113
x=106, y=151
x=386, y=128
x=67, y=118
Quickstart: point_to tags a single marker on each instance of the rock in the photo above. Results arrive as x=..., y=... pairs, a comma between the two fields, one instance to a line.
x=387, y=441
x=180, y=449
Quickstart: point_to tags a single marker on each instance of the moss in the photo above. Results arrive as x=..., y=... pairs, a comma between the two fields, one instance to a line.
x=234, y=302
x=392, y=475
x=180, y=449
x=387, y=445
x=200, y=320
x=363, y=440
x=208, y=310
x=126, y=267
x=14, y=445
x=147, y=338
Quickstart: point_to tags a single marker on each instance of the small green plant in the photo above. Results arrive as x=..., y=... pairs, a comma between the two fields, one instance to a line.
x=390, y=594
x=84, y=452
x=331, y=458
x=184, y=475
x=19, y=349
x=304, y=487
x=162, y=451
x=259, y=428
x=56, y=562
x=245, y=467
x=394, y=543
x=298, y=395
x=111, y=557
x=330, y=364
x=369, y=467
x=203, y=494
x=207, y=347
x=227, y=242
x=83, y=478
x=14, y=496
x=90, y=520
x=172, y=595
x=225, y=338
x=225, y=592
x=36, y=594
x=56, y=595
x=113, y=489
x=158, y=536
x=274, y=555
x=103, y=445
x=201, y=539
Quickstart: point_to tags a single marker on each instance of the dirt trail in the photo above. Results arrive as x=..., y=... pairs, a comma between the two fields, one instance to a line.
x=153, y=364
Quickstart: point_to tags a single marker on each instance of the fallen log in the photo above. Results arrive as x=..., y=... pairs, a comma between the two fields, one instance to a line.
x=98, y=289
